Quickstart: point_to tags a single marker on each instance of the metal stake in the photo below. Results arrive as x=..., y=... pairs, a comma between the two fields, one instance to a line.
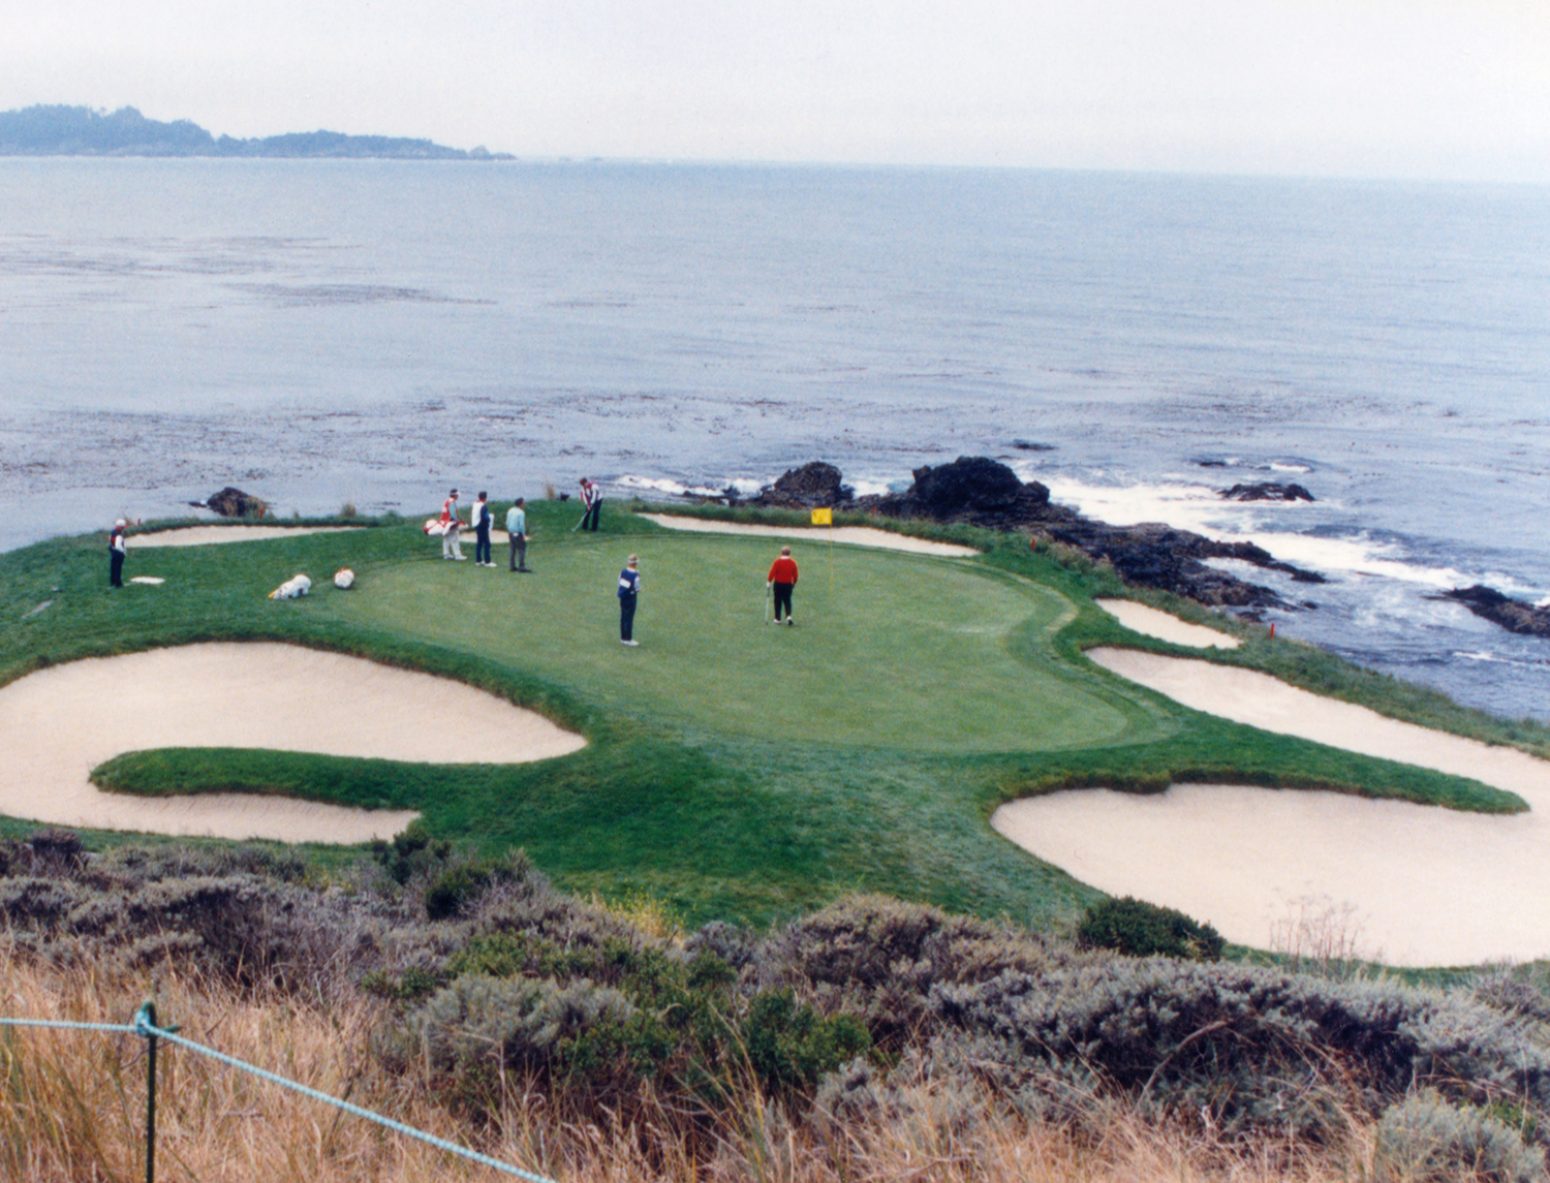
x=149, y=1013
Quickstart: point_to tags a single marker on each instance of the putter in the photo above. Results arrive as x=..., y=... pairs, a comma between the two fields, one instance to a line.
x=767, y=594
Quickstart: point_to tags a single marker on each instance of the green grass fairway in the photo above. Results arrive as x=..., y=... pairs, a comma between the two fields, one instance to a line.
x=733, y=769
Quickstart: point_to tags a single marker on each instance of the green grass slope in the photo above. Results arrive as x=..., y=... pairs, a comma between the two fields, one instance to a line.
x=733, y=769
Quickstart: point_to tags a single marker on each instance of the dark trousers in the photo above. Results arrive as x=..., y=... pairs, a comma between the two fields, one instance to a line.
x=783, y=598
x=518, y=546
x=115, y=568
x=627, y=618
x=589, y=519
x=482, y=545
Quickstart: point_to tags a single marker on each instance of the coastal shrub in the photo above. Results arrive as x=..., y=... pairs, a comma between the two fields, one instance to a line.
x=790, y=1045
x=251, y=931
x=37, y=904
x=131, y=865
x=646, y=1012
x=735, y=946
x=1424, y=1139
x=500, y=955
x=954, y=1110
x=1139, y=929
x=1253, y=1049
x=883, y=957
x=457, y=887
x=1513, y=993
x=449, y=892
x=525, y=903
x=409, y=984
x=477, y=1028
x=239, y=928
x=54, y=851
x=411, y=851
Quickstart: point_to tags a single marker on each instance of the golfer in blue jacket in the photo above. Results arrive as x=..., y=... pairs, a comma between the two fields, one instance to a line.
x=629, y=592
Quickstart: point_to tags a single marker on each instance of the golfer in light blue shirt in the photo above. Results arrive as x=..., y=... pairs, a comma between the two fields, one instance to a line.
x=516, y=534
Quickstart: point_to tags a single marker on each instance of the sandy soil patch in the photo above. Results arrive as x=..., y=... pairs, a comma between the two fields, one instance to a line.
x=206, y=535
x=849, y=535
x=1412, y=884
x=58, y=724
x=1151, y=622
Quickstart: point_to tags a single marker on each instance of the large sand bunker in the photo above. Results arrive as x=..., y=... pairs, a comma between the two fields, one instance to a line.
x=58, y=724
x=207, y=535
x=1151, y=622
x=1411, y=884
x=851, y=535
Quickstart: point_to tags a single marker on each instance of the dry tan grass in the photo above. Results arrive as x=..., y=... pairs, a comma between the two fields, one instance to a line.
x=72, y=1110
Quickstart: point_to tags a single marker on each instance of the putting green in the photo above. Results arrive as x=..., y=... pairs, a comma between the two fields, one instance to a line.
x=889, y=650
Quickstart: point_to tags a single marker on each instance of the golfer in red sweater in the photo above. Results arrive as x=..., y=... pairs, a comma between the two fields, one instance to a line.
x=783, y=577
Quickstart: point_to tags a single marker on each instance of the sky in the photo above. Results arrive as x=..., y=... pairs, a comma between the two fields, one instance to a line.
x=1370, y=88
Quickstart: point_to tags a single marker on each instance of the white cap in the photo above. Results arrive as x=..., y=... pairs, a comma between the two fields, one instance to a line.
x=121, y=522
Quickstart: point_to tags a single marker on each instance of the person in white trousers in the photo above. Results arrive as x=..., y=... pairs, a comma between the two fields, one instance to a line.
x=451, y=543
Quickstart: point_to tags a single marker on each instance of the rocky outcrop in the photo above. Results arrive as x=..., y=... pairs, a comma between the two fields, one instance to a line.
x=972, y=489
x=985, y=492
x=1267, y=491
x=1513, y=615
x=1155, y=555
x=813, y=485
x=234, y=503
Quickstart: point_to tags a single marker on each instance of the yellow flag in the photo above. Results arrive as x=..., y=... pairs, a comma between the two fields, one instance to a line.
x=823, y=517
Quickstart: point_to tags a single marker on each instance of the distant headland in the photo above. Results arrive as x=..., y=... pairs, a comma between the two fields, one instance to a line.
x=82, y=131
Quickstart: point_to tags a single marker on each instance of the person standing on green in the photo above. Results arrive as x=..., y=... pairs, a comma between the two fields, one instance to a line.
x=483, y=519
x=629, y=592
x=116, y=553
x=783, y=578
x=516, y=534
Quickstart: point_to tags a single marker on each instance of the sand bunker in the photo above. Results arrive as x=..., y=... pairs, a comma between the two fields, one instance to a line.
x=1412, y=884
x=58, y=724
x=850, y=535
x=1150, y=622
x=206, y=535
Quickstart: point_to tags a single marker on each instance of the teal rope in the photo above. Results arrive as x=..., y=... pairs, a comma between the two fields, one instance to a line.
x=144, y=1028
x=68, y=1025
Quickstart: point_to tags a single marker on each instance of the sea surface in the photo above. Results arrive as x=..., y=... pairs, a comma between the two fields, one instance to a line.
x=331, y=332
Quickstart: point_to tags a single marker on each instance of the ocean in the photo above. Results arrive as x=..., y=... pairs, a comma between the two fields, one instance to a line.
x=371, y=332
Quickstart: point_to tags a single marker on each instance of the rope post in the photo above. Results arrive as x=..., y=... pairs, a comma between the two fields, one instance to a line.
x=145, y=1020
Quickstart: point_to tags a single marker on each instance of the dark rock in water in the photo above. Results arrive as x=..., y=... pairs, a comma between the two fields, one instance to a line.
x=1032, y=446
x=984, y=492
x=816, y=484
x=1513, y=615
x=234, y=503
x=1267, y=491
x=1155, y=555
x=968, y=483
x=973, y=489
x=1212, y=463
